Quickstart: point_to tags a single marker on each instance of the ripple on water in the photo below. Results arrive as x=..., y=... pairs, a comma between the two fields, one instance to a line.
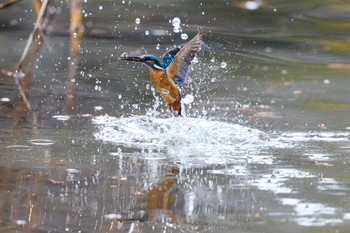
x=19, y=147
x=41, y=142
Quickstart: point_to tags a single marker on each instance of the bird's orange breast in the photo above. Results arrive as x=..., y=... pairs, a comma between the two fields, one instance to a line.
x=165, y=86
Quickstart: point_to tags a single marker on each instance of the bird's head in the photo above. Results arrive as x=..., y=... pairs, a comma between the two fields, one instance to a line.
x=149, y=60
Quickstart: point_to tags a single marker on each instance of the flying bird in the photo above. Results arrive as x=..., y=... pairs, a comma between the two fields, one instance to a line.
x=169, y=73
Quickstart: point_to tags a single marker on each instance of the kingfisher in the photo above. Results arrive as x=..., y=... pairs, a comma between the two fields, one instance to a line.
x=170, y=73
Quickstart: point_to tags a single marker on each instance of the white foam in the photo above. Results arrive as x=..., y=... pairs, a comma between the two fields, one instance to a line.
x=205, y=141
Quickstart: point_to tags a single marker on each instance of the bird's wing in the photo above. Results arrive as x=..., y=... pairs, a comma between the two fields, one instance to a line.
x=169, y=56
x=179, y=67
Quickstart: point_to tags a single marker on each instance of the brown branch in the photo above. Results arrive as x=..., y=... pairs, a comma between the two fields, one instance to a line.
x=37, y=27
x=8, y=3
x=18, y=74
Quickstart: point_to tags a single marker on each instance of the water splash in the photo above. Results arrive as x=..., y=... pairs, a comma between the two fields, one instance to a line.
x=193, y=141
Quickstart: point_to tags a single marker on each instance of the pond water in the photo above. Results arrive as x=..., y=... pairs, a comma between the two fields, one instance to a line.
x=263, y=145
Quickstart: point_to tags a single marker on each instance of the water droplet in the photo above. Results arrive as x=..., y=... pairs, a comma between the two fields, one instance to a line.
x=100, y=7
x=284, y=72
x=157, y=47
x=159, y=32
x=5, y=99
x=252, y=5
x=195, y=60
x=326, y=81
x=176, y=22
x=137, y=20
x=188, y=99
x=184, y=36
x=223, y=65
x=13, y=22
x=146, y=33
x=268, y=49
x=52, y=10
x=98, y=108
x=177, y=29
x=21, y=222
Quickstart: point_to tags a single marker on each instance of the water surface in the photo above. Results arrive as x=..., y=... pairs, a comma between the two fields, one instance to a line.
x=263, y=146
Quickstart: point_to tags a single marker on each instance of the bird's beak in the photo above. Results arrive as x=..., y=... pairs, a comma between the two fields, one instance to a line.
x=126, y=57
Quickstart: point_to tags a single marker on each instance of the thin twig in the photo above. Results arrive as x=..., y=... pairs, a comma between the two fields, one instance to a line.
x=37, y=27
x=18, y=75
x=8, y=3
x=46, y=41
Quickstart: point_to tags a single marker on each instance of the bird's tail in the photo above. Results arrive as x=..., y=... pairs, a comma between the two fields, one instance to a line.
x=179, y=110
x=175, y=107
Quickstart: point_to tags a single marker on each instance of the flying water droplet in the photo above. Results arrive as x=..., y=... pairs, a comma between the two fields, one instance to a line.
x=184, y=36
x=176, y=22
x=188, y=99
x=146, y=33
x=5, y=99
x=195, y=60
x=223, y=65
x=176, y=29
x=98, y=108
x=326, y=81
x=21, y=222
x=137, y=20
x=100, y=7
x=252, y=5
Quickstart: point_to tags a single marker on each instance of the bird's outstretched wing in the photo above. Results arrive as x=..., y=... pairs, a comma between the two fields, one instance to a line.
x=178, y=68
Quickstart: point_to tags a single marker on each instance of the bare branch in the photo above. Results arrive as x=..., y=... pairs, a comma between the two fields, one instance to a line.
x=8, y=3
x=18, y=74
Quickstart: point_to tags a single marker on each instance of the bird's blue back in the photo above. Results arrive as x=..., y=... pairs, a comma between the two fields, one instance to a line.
x=169, y=56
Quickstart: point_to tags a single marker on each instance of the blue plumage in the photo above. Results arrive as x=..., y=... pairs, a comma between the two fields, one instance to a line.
x=169, y=56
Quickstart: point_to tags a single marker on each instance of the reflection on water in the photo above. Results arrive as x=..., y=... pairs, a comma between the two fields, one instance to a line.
x=263, y=147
